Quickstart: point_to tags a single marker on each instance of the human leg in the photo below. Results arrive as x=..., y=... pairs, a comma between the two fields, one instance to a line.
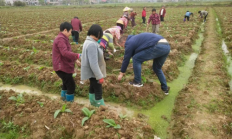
x=157, y=29
x=97, y=88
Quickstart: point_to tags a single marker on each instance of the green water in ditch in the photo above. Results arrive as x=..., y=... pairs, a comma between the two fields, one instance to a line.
x=165, y=107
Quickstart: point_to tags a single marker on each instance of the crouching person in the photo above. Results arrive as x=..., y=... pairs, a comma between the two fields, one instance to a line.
x=93, y=65
x=63, y=60
x=144, y=47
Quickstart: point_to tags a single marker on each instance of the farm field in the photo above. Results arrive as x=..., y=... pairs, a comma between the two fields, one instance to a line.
x=25, y=59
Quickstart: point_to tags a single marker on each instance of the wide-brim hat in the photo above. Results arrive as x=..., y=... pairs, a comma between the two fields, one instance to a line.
x=126, y=9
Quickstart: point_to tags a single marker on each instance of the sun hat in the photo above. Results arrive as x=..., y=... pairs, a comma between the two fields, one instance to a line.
x=126, y=9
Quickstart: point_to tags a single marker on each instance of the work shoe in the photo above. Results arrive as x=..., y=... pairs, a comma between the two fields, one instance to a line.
x=70, y=97
x=92, y=99
x=63, y=94
x=99, y=102
x=136, y=84
x=167, y=91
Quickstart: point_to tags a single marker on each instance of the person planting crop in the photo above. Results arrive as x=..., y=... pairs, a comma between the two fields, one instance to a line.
x=162, y=13
x=63, y=60
x=122, y=23
x=125, y=13
x=93, y=66
x=144, y=15
x=107, y=41
x=115, y=32
x=144, y=47
x=155, y=21
x=187, y=15
x=132, y=16
x=203, y=14
x=77, y=28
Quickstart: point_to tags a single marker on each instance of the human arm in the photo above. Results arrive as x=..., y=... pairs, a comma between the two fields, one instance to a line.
x=65, y=53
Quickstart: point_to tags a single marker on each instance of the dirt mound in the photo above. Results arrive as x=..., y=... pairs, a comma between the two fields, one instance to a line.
x=41, y=123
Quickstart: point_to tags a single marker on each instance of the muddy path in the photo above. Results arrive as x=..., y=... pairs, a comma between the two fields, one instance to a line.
x=198, y=109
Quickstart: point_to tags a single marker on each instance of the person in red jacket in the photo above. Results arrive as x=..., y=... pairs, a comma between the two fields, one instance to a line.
x=77, y=28
x=144, y=15
x=63, y=61
x=162, y=13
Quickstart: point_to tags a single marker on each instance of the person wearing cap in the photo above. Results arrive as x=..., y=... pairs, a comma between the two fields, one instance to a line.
x=122, y=23
x=187, y=15
x=93, y=66
x=155, y=21
x=115, y=32
x=77, y=28
x=143, y=47
x=107, y=41
x=144, y=14
x=132, y=16
x=203, y=14
x=162, y=13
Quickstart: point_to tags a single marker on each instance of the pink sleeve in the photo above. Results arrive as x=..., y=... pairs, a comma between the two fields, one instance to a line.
x=117, y=33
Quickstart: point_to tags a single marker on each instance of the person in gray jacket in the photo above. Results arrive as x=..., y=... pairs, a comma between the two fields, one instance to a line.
x=203, y=14
x=93, y=66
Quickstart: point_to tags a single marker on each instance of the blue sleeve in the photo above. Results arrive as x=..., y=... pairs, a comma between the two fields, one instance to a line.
x=127, y=56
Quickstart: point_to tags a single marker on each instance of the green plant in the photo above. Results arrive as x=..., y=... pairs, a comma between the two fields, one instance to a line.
x=62, y=110
x=144, y=79
x=41, y=104
x=1, y=64
x=34, y=50
x=87, y=113
x=111, y=123
x=19, y=99
x=27, y=68
x=0, y=97
x=122, y=116
x=40, y=68
x=74, y=75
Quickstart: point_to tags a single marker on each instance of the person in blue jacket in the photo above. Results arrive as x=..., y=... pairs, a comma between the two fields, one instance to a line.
x=187, y=15
x=144, y=47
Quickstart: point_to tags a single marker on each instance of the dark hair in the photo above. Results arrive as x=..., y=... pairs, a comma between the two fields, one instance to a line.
x=199, y=12
x=187, y=11
x=123, y=38
x=107, y=31
x=65, y=25
x=76, y=17
x=153, y=10
x=96, y=31
x=144, y=8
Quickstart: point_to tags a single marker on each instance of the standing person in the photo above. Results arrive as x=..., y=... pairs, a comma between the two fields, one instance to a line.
x=162, y=13
x=203, y=14
x=77, y=28
x=115, y=32
x=187, y=15
x=155, y=21
x=144, y=47
x=132, y=16
x=63, y=60
x=144, y=14
x=93, y=65
x=122, y=23
x=107, y=41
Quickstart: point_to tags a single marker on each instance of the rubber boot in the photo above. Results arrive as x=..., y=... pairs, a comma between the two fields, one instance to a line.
x=70, y=97
x=73, y=37
x=92, y=99
x=63, y=94
x=99, y=103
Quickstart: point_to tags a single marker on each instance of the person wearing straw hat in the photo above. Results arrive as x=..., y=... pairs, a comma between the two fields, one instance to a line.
x=122, y=22
x=126, y=14
x=115, y=32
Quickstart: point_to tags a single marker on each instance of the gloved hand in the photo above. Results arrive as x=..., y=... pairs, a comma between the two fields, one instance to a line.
x=115, y=50
x=101, y=81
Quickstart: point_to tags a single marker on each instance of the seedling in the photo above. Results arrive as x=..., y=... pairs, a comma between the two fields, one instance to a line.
x=144, y=79
x=40, y=68
x=19, y=99
x=62, y=110
x=74, y=75
x=122, y=116
x=111, y=123
x=0, y=97
x=1, y=64
x=41, y=104
x=87, y=113
x=27, y=68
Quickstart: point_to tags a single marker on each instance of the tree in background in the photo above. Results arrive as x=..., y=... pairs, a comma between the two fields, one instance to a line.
x=2, y=3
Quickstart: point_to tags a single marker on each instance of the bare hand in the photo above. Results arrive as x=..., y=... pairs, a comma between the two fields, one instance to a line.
x=110, y=53
x=78, y=63
x=120, y=76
